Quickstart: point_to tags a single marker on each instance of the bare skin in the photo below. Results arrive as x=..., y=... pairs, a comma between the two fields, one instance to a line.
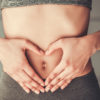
x=76, y=54
x=42, y=25
x=20, y=67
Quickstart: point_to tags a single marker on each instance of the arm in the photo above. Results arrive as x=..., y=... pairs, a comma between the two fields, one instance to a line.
x=15, y=64
x=94, y=39
x=1, y=43
x=76, y=54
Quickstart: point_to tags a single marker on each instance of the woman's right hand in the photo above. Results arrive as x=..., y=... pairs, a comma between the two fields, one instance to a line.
x=15, y=64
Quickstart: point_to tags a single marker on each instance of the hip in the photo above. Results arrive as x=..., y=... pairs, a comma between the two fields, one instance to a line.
x=85, y=87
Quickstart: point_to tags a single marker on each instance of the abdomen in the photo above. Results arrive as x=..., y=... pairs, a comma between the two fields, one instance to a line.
x=44, y=24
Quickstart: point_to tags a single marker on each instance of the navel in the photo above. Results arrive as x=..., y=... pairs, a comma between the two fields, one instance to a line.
x=44, y=65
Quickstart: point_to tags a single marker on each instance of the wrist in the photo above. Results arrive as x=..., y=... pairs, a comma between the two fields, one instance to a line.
x=3, y=42
x=90, y=40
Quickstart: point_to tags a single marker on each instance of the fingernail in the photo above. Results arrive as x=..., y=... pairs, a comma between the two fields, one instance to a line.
x=42, y=84
x=46, y=83
x=37, y=92
x=53, y=89
x=62, y=88
x=47, y=89
x=42, y=90
x=28, y=91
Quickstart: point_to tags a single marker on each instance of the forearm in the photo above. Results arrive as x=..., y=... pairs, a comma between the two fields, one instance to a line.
x=94, y=39
x=2, y=42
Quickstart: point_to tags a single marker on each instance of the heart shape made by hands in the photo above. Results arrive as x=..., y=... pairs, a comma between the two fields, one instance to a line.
x=36, y=61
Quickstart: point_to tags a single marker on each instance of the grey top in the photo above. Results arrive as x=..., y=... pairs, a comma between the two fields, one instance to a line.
x=16, y=3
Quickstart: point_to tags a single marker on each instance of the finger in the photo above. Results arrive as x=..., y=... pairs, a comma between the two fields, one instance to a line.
x=59, y=68
x=27, y=79
x=52, y=77
x=65, y=84
x=36, y=91
x=59, y=84
x=68, y=73
x=67, y=79
x=62, y=82
x=60, y=77
x=72, y=75
x=24, y=76
x=32, y=88
x=28, y=69
x=24, y=84
x=37, y=86
x=33, y=47
x=54, y=88
x=53, y=47
x=17, y=78
x=28, y=82
x=24, y=87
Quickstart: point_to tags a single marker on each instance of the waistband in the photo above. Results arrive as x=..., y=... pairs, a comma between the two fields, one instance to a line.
x=16, y=3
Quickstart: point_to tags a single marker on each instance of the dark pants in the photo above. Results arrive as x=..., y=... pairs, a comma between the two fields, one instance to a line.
x=81, y=88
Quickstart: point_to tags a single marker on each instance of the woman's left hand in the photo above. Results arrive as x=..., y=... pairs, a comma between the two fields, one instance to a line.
x=76, y=53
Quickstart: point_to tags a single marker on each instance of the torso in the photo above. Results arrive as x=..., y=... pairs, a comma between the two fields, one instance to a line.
x=44, y=24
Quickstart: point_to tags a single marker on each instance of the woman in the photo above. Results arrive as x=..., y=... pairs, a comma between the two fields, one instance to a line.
x=48, y=41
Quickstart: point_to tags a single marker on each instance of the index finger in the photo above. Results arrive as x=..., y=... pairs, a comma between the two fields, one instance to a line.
x=28, y=69
x=59, y=68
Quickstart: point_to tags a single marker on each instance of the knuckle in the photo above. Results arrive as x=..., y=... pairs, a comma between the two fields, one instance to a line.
x=59, y=79
x=65, y=80
x=68, y=62
x=17, y=70
x=28, y=85
x=50, y=79
x=78, y=70
x=33, y=89
x=54, y=75
x=34, y=83
x=26, y=41
x=32, y=74
x=23, y=81
x=26, y=81
x=73, y=68
x=37, y=86
x=61, y=41
x=29, y=80
x=51, y=85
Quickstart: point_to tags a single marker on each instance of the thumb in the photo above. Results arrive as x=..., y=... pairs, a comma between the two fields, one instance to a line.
x=30, y=46
x=58, y=69
x=53, y=47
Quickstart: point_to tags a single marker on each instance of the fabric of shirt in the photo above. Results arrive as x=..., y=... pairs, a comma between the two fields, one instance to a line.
x=16, y=3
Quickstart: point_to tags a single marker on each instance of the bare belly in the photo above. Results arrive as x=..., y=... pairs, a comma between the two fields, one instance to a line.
x=42, y=25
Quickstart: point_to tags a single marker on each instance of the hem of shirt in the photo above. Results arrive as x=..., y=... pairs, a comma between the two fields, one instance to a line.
x=42, y=3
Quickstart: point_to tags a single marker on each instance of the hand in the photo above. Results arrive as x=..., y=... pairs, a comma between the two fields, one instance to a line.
x=76, y=53
x=15, y=64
